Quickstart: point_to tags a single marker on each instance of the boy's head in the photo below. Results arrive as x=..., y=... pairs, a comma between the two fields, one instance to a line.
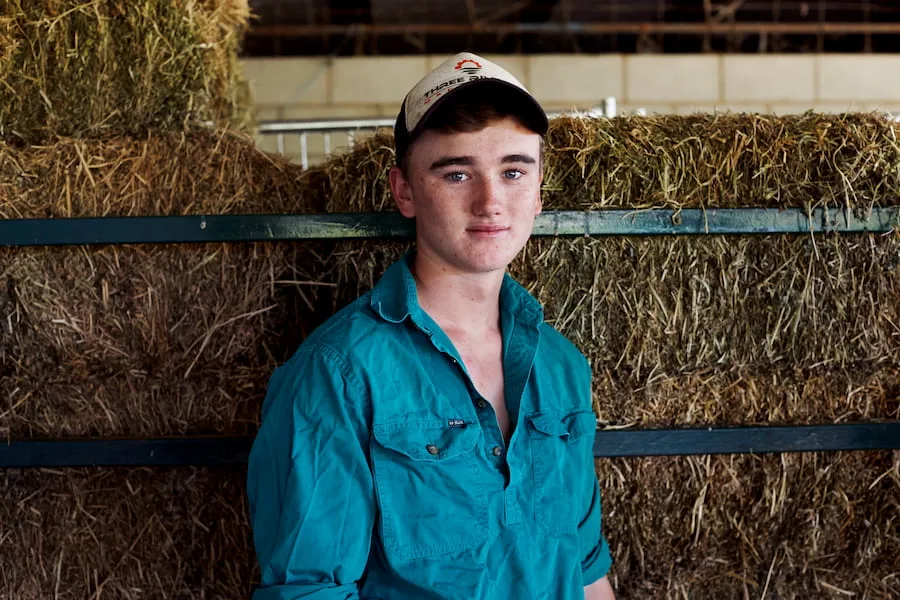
x=465, y=93
x=469, y=169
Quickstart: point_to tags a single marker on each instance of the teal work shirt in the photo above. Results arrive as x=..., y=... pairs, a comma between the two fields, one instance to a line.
x=379, y=472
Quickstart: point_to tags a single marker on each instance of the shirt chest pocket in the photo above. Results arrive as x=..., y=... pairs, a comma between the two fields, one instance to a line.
x=560, y=450
x=429, y=490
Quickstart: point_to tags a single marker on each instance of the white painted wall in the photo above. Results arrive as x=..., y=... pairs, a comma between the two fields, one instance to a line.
x=314, y=88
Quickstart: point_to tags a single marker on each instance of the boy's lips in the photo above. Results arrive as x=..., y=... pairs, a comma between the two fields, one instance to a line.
x=488, y=228
x=488, y=231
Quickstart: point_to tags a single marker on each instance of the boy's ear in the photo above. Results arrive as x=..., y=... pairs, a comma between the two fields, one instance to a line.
x=402, y=193
x=539, y=201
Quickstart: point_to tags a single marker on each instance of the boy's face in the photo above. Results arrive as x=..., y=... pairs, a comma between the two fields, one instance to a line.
x=474, y=195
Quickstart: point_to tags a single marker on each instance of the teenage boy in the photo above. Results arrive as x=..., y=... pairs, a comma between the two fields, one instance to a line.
x=433, y=440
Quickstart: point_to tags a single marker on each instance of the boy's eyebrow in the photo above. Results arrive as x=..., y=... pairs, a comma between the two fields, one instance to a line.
x=468, y=161
x=519, y=158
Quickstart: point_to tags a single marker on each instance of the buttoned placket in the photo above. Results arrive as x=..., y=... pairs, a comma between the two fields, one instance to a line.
x=495, y=447
x=519, y=349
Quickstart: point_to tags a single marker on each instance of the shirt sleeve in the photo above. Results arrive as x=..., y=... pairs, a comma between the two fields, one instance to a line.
x=595, y=557
x=310, y=490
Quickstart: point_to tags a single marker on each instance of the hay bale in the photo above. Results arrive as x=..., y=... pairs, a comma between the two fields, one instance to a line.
x=726, y=160
x=148, y=340
x=163, y=173
x=125, y=533
x=95, y=68
x=791, y=526
x=155, y=339
x=747, y=396
x=640, y=306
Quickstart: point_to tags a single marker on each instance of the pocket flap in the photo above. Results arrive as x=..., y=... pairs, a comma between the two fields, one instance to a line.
x=426, y=440
x=565, y=425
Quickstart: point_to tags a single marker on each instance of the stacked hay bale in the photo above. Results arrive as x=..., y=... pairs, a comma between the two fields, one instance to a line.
x=726, y=331
x=178, y=339
x=134, y=108
x=90, y=67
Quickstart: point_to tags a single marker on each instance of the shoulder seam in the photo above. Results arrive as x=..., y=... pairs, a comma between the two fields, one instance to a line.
x=339, y=359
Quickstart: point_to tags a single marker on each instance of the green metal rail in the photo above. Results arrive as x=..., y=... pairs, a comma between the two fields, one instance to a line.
x=260, y=228
x=607, y=444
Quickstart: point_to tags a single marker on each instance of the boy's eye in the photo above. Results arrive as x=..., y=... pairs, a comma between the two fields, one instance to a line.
x=457, y=177
x=513, y=173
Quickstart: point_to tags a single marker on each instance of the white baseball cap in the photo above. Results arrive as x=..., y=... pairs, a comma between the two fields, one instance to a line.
x=462, y=71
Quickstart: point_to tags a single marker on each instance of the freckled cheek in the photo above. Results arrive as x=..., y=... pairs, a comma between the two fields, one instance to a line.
x=524, y=203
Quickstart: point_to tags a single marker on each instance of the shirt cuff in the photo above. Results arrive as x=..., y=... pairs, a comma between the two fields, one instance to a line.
x=597, y=564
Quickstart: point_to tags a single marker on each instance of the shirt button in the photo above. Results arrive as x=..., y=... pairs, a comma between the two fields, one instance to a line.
x=432, y=449
x=498, y=450
x=482, y=404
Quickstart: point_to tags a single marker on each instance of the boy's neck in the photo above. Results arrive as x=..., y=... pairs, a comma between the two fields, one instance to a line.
x=461, y=302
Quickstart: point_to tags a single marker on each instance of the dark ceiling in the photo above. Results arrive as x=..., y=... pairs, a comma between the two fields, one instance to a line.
x=360, y=27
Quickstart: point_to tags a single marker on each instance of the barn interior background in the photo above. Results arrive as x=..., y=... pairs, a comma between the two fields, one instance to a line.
x=165, y=107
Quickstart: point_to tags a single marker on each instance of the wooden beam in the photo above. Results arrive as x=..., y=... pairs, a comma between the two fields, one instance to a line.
x=581, y=28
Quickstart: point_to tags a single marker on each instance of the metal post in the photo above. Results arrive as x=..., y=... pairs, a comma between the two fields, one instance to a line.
x=304, y=157
x=609, y=107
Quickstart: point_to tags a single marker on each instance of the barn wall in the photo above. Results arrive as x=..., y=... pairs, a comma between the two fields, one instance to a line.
x=315, y=88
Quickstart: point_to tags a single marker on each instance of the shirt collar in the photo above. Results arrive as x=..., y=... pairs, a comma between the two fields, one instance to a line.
x=394, y=297
x=516, y=300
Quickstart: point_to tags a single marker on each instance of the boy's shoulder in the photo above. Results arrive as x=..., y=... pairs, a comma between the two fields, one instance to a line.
x=352, y=325
x=555, y=344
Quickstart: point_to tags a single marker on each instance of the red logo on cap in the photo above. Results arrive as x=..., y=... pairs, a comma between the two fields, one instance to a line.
x=470, y=70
